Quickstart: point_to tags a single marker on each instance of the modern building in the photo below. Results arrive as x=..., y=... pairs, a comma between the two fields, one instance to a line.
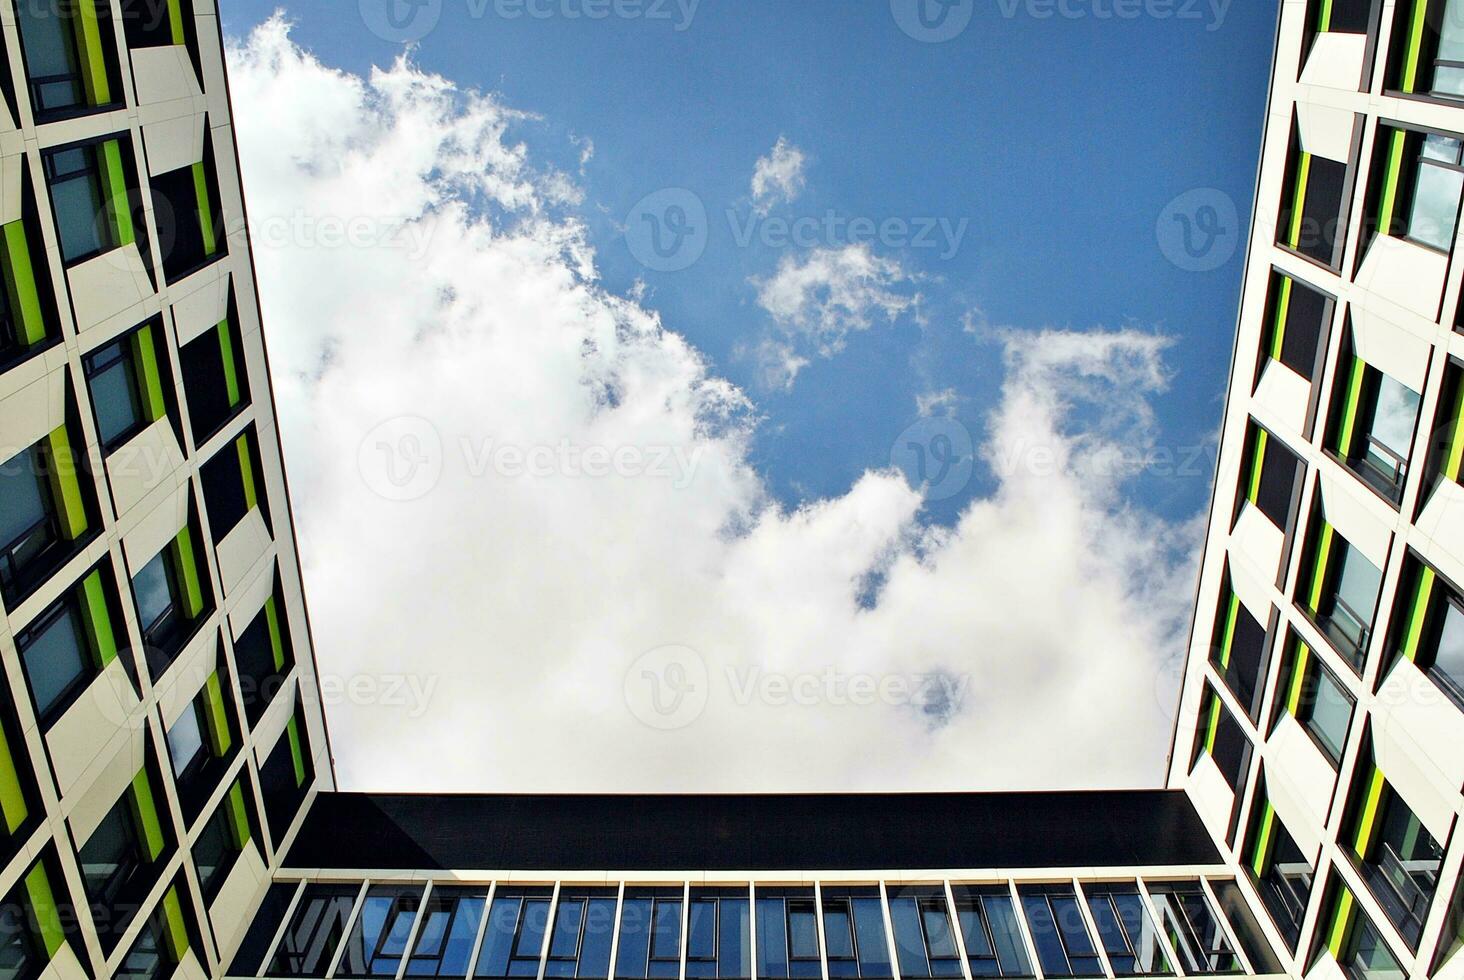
x=165, y=776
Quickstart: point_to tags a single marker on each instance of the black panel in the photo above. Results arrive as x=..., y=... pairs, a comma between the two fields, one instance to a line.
x=1280, y=471
x=1321, y=227
x=1247, y=658
x=1351, y=16
x=1306, y=320
x=813, y=832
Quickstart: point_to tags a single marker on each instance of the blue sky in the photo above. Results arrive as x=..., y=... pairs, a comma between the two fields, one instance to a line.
x=1058, y=141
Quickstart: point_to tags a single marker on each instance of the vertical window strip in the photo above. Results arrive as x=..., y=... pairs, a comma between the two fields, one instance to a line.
x=205, y=209
x=20, y=284
x=226, y=354
x=1454, y=458
x=1265, y=845
x=1283, y=311
x=1297, y=683
x=1392, y=176
x=1414, y=50
x=246, y=471
x=145, y=357
x=1319, y=568
x=1344, y=912
x=1372, y=801
x=219, y=737
x=1212, y=724
x=175, y=22
x=1227, y=638
x=114, y=183
x=97, y=619
x=186, y=561
x=297, y=751
x=65, y=485
x=88, y=28
x=1418, y=612
x=238, y=816
x=13, y=806
x=1350, y=405
x=1257, y=466
x=1298, y=200
x=276, y=638
x=1324, y=19
x=43, y=908
x=145, y=808
x=175, y=929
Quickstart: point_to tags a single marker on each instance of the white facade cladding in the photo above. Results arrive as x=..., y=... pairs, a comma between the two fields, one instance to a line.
x=159, y=735
x=1321, y=730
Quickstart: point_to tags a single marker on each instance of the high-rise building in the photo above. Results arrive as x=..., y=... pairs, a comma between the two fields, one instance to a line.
x=165, y=779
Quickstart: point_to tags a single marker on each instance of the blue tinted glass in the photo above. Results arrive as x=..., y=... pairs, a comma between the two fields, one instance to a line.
x=838, y=931
x=666, y=935
x=54, y=660
x=530, y=944
x=113, y=391
x=22, y=504
x=635, y=938
x=869, y=932
x=701, y=930
x=594, y=959
x=1006, y=935
x=461, y=936
x=732, y=939
x=772, y=938
x=1044, y=936
x=498, y=938
x=565, y=942
x=78, y=203
x=154, y=595
x=909, y=944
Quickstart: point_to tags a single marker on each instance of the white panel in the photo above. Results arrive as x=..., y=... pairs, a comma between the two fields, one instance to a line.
x=65, y=966
x=11, y=168
x=91, y=723
x=1346, y=512
x=189, y=968
x=1300, y=783
x=1255, y=593
x=111, y=779
x=233, y=908
x=107, y=285
x=250, y=598
x=204, y=307
x=1406, y=274
x=1211, y=794
x=173, y=143
x=276, y=717
x=1326, y=969
x=1283, y=397
x=1442, y=520
x=241, y=549
x=1391, y=349
x=145, y=462
x=1336, y=61
x=30, y=413
x=1416, y=736
x=1452, y=970
x=1260, y=542
x=185, y=676
x=164, y=74
x=1325, y=132
x=155, y=530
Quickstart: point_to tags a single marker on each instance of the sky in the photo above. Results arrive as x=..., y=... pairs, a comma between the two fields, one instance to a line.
x=756, y=396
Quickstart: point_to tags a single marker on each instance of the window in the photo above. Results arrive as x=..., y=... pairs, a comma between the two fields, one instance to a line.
x=1282, y=874
x=584, y=922
x=993, y=937
x=286, y=776
x=69, y=644
x=1431, y=631
x=1452, y=939
x=92, y=187
x=31, y=928
x=119, y=859
x=189, y=216
x=1316, y=699
x=1353, y=940
x=158, y=23
x=262, y=654
x=125, y=381
x=1376, y=419
x=717, y=934
x=1417, y=197
x=1059, y=932
x=1297, y=321
x=1428, y=49
x=513, y=941
x=25, y=323
x=924, y=942
x=787, y=934
x=1186, y=916
x=229, y=488
x=854, y=933
x=449, y=929
x=164, y=941
x=309, y=943
x=17, y=785
x=1133, y=946
x=1398, y=857
x=224, y=838
x=650, y=934
x=1239, y=650
x=378, y=939
x=71, y=64
x=1221, y=738
x=214, y=379
x=1272, y=477
x=1312, y=221
x=171, y=600
x=44, y=513
x=1340, y=587
x=201, y=741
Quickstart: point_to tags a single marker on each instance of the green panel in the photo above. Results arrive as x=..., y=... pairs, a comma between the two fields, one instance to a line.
x=219, y=737
x=226, y=354
x=1392, y=175
x=43, y=908
x=1341, y=926
x=238, y=816
x=1324, y=19
x=1372, y=802
x=1415, y=45
x=1265, y=845
x=1454, y=461
x=66, y=484
x=297, y=752
x=13, y=807
x=1319, y=568
x=1283, y=311
x=246, y=471
x=1418, y=613
x=1298, y=679
x=1258, y=460
x=175, y=928
x=98, y=619
x=1232, y=613
x=175, y=21
x=1212, y=729
x=88, y=28
x=205, y=209
x=1303, y=173
x=276, y=638
x=20, y=285
x=146, y=811
x=119, y=201
x=187, y=563
x=145, y=358
x=1350, y=405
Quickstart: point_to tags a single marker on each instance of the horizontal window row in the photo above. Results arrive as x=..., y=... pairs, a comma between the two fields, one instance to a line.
x=350, y=930
x=1426, y=54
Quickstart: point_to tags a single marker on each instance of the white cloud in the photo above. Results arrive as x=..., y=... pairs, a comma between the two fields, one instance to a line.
x=522, y=604
x=778, y=177
x=930, y=402
x=817, y=298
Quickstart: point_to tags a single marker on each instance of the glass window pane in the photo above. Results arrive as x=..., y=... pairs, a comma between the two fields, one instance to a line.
x=938, y=938
x=869, y=935
x=909, y=944
x=1449, y=658
x=565, y=942
x=1358, y=587
x=1006, y=935
x=498, y=938
x=310, y=942
x=23, y=504
x=114, y=397
x=1435, y=205
x=55, y=660
x=1394, y=416
x=701, y=930
x=185, y=739
x=772, y=938
x=599, y=930
x=1147, y=949
x=1330, y=713
x=79, y=215
x=153, y=590
x=802, y=929
x=1043, y=926
x=635, y=938
x=838, y=930
x=732, y=939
